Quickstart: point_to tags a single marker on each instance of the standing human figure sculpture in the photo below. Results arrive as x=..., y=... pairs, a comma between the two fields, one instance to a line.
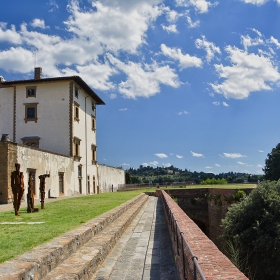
x=43, y=188
x=30, y=194
x=17, y=184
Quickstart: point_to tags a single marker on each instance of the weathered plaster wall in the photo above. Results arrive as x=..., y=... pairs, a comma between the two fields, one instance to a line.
x=108, y=176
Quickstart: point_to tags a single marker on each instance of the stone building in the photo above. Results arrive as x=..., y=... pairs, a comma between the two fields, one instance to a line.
x=51, y=125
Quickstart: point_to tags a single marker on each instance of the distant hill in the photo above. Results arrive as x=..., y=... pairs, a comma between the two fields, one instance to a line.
x=171, y=174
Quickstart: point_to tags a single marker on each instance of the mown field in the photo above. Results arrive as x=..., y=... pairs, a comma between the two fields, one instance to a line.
x=61, y=216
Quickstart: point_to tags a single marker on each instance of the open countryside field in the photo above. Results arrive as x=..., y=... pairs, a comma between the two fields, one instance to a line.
x=18, y=235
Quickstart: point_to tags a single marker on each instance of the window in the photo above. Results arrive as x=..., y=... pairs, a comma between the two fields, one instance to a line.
x=80, y=171
x=32, y=141
x=88, y=184
x=30, y=92
x=93, y=123
x=76, y=148
x=80, y=186
x=31, y=112
x=93, y=150
x=76, y=92
x=61, y=182
x=93, y=107
x=93, y=183
x=76, y=111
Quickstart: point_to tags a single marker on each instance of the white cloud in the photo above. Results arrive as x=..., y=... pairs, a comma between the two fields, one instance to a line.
x=208, y=167
x=217, y=103
x=247, y=41
x=161, y=155
x=191, y=23
x=209, y=47
x=113, y=96
x=131, y=20
x=274, y=41
x=183, y=113
x=178, y=156
x=125, y=164
x=225, y=104
x=9, y=35
x=196, y=154
x=53, y=6
x=166, y=164
x=143, y=80
x=218, y=165
x=201, y=6
x=152, y=163
x=38, y=23
x=261, y=151
x=123, y=109
x=170, y=28
x=255, y=2
x=241, y=163
x=185, y=60
x=259, y=166
x=247, y=73
x=233, y=155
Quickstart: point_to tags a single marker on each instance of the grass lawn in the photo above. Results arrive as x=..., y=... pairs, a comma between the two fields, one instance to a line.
x=61, y=216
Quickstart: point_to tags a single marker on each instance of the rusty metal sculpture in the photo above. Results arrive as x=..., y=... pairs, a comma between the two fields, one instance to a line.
x=42, y=188
x=17, y=184
x=30, y=194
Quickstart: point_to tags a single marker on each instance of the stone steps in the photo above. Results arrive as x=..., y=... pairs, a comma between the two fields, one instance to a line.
x=75, y=254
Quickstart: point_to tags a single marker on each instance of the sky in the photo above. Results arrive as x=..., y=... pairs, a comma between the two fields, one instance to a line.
x=188, y=83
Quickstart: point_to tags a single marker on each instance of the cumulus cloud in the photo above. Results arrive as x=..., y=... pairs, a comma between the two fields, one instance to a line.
x=217, y=103
x=185, y=60
x=166, y=164
x=201, y=6
x=225, y=104
x=170, y=28
x=248, y=72
x=209, y=47
x=196, y=154
x=9, y=35
x=191, y=23
x=261, y=151
x=123, y=109
x=40, y=23
x=152, y=163
x=255, y=2
x=233, y=155
x=161, y=155
x=178, y=156
x=143, y=80
x=218, y=165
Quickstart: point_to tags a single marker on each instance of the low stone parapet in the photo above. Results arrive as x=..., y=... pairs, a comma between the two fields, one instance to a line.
x=199, y=248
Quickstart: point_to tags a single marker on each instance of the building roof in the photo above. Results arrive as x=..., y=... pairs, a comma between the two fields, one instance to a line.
x=78, y=80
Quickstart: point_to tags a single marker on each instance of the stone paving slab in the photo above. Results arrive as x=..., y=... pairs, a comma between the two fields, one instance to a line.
x=144, y=251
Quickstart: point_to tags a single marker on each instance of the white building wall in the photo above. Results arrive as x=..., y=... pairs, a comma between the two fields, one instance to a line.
x=6, y=111
x=108, y=176
x=47, y=163
x=53, y=116
x=83, y=130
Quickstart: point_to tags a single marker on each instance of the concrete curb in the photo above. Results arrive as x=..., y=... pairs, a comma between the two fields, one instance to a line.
x=43, y=259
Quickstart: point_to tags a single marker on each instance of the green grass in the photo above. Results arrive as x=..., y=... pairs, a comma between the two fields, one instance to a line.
x=58, y=217
x=61, y=216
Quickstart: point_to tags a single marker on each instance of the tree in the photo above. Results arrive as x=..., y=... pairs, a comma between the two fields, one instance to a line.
x=252, y=225
x=272, y=165
x=127, y=178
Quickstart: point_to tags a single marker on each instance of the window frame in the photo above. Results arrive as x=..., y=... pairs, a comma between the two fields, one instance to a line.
x=29, y=141
x=76, y=91
x=61, y=183
x=31, y=88
x=76, y=111
x=93, y=123
x=35, y=107
x=93, y=154
x=76, y=148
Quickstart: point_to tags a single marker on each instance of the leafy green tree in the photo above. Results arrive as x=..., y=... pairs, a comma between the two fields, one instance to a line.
x=128, y=178
x=272, y=165
x=253, y=224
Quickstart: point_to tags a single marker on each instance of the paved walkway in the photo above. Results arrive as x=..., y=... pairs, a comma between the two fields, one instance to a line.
x=144, y=251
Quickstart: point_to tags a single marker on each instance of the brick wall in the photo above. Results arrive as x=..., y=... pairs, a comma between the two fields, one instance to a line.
x=8, y=158
x=213, y=263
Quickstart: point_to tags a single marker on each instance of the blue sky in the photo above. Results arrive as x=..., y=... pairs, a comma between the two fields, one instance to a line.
x=189, y=83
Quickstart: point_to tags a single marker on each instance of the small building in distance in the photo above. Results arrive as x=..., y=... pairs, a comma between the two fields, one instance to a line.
x=51, y=125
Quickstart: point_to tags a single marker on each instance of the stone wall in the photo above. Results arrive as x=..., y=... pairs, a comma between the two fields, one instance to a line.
x=8, y=158
x=213, y=263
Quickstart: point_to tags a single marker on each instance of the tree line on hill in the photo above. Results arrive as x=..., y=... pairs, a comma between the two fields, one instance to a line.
x=171, y=174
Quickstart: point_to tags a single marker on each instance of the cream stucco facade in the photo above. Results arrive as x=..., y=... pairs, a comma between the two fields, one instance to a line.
x=57, y=118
